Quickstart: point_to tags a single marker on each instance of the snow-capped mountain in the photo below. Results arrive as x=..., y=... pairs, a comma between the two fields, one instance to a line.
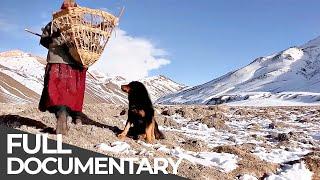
x=292, y=75
x=159, y=86
x=21, y=81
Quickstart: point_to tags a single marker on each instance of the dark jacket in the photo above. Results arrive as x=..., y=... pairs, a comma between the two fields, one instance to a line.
x=58, y=52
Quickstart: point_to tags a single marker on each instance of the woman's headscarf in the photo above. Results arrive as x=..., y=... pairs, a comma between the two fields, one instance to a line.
x=68, y=3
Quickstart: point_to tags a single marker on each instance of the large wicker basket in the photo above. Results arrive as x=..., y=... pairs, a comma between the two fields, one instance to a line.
x=86, y=32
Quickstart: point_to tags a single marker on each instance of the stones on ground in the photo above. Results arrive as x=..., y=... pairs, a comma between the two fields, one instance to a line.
x=306, y=141
x=272, y=136
x=167, y=112
x=194, y=145
x=166, y=121
x=254, y=126
x=170, y=123
x=275, y=125
x=283, y=137
x=219, y=108
x=232, y=139
x=304, y=119
x=272, y=125
x=279, y=136
x=181, y=112
x=214, y=122
x=254, y=135
x=123, y=112
x=241, y=112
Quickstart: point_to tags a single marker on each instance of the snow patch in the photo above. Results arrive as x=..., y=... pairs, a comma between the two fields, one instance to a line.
x=115, y=147
x=247, y=177
x=291, y=172
x=279, y=155
x=225, y=162
x=316, y=136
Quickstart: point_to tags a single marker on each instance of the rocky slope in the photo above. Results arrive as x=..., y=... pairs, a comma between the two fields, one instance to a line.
x=292, y=75
x=215, y=142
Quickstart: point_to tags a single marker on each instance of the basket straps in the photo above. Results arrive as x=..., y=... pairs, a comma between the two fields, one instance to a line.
x=51, y=31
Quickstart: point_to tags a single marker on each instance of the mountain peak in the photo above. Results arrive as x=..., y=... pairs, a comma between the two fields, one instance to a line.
x=292, y=53
x=157, y=77
x=312, y=43
x=23, y=76
x=13, y=53
x=289, y=75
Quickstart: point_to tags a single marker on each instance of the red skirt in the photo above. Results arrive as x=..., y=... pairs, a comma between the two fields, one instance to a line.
x=64, y=85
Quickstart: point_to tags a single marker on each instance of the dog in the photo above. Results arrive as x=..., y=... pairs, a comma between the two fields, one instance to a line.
x=140, y=114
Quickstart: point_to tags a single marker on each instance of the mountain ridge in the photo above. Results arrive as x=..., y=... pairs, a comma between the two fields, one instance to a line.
x=22, y=77
x=287, y=75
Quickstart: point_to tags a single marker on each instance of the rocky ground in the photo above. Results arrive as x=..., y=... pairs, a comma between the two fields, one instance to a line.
x=216, y=142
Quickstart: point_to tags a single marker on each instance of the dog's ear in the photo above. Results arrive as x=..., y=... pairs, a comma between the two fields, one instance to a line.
x=125, y=88
x=142, y=113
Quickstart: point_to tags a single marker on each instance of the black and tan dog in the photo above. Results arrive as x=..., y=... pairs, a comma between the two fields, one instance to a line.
x=140, y=114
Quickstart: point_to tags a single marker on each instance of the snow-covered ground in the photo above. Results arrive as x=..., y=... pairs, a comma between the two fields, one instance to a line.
x=259, y=128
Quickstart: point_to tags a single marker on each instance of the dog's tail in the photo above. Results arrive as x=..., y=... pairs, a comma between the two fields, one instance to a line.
x=158, y=133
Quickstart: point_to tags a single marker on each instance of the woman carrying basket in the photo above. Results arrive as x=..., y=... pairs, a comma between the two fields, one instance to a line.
x=64, y=80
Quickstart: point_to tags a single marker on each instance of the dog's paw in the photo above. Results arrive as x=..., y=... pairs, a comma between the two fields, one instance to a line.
x=121, y=136
x=142, y=136
x=149, y=141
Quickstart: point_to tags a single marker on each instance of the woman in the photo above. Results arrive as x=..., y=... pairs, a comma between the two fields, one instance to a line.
x=64, y=80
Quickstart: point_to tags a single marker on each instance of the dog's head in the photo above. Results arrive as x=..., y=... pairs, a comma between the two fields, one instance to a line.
x=134, y=87
x=137, y=95
x=125, y=88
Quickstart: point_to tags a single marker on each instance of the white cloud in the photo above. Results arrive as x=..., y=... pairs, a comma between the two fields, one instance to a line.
x=130, y=57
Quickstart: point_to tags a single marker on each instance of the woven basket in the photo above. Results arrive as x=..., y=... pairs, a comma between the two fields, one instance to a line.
x=86, y=32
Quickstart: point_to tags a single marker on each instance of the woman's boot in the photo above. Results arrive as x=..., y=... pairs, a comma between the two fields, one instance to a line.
x=76, y=117
x=62, y=121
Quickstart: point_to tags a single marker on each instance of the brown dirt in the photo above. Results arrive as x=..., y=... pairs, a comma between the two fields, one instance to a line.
x=214, y=122
x=194, y=145
x=249, y=164
x=312, y=161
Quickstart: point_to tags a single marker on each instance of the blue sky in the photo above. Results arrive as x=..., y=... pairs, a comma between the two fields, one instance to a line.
x=203, y=39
